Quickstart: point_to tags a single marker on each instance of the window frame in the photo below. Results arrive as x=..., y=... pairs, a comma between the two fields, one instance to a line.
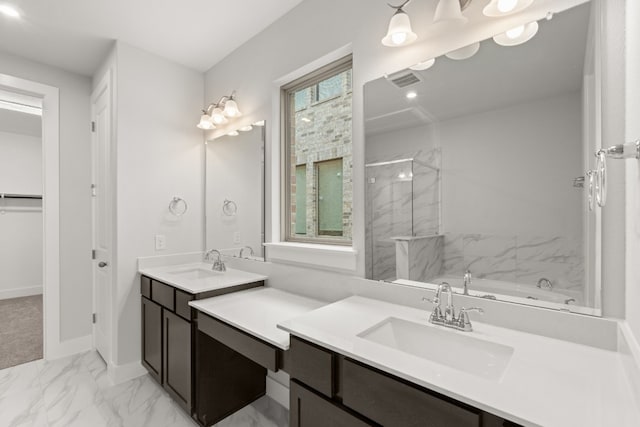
x=287, y=109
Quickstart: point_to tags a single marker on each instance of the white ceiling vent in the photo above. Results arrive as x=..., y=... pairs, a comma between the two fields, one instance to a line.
x=404, y=79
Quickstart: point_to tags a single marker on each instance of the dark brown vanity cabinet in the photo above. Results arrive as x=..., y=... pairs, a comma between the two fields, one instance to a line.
x=331, y=390
x=169, y=328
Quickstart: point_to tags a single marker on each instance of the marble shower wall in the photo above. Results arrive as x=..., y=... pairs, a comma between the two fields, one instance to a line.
x=519, y=258
x=402, y=200
x=419, y=258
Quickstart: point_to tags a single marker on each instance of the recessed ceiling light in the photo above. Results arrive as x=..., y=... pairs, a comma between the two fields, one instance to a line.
x=411, y=95
x=9, y=11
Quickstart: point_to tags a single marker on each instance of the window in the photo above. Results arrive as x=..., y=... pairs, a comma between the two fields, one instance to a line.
x=317, y=186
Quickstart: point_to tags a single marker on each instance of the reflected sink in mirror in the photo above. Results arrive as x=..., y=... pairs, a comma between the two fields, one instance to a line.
x=196, y=273
x=456, y=350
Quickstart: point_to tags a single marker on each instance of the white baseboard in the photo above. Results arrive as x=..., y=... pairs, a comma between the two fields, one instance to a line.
x=119, y=374
x=20, y=292
x=629, y=349
x=69, y=347
x=278, y=392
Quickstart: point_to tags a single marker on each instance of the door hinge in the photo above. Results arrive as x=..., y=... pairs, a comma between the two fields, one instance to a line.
x=93, y=126
x=93, y=318
x=93, y=190
x=93, y=254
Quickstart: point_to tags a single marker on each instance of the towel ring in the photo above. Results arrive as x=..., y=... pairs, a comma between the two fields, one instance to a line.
x=229, y=207
x=601, y=178
x=178, y=206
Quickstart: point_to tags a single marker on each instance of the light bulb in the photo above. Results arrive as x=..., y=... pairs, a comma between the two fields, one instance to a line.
x=231, y=108
x=515, y=32
x=398, y=38
x=506, y=6
x=217, y=116
x=9, y=11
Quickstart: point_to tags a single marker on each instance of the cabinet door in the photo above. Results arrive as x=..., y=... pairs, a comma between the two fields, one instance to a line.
x=152, y=338
x=311, y=410
x=177, y=359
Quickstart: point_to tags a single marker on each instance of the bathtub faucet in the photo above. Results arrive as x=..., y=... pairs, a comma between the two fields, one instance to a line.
x=545, y=283
x=466, y=281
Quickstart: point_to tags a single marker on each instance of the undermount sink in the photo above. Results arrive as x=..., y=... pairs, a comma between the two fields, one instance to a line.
x=457, y=350
x=195, y=273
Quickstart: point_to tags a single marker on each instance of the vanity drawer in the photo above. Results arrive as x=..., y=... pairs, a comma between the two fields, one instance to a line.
x=313, y=366
x=250, y=347
x=389, y=401
x=145, y=287
x=163, y=295
x=182, y=304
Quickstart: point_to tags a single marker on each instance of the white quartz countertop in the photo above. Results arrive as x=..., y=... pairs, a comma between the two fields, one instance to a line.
x=547, y=383
x=175, y=275
x=258, y=311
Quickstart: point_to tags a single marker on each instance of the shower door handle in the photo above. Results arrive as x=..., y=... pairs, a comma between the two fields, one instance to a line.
x=102, y=264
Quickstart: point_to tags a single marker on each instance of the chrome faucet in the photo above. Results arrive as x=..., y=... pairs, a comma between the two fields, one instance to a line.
x=449, y=319
x=218, y=264
x=246, y=247
x=466, y=282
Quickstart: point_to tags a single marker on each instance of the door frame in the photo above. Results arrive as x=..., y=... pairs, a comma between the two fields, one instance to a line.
x=53, y=346
x=105, y=85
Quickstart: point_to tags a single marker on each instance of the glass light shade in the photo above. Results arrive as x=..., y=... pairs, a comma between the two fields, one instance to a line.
x=399, y=32
x=464, y=52
x=246, y=128
x=217, y=116
x=449, y=12
x=424, y=65
x=260, y=123
x=499, y=8
x=233, y=133
x=517, y=35
x=231, y=108
x=206, y=123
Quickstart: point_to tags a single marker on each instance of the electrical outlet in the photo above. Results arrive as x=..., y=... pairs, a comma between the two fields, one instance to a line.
x=236, y=238
x=161, y=242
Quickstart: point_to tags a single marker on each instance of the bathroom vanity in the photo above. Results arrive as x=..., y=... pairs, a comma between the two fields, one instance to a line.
x=169, y=325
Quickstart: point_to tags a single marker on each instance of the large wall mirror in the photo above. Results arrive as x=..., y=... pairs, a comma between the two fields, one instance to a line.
x=481, y=166
x=234, y=199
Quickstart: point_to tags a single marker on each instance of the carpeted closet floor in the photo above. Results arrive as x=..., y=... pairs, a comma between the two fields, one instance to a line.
x=20, y=330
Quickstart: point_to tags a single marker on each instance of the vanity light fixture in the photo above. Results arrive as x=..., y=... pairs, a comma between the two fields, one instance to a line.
x=517, y=35
x=9, y=11
x=499, y=8
x=233, y=133
x=399, y=32
x=246, y=128
x=424, y=65
x=219, y=113
x=464, y=52
x=449, y=12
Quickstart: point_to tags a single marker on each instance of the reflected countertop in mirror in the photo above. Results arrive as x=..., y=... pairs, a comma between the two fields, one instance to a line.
x=234, y=193
x=481, y=165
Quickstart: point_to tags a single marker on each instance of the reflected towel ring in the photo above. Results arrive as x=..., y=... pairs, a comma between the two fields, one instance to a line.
x=601, y=178
x=229, y=207
x=178, y=206
x=591, y=193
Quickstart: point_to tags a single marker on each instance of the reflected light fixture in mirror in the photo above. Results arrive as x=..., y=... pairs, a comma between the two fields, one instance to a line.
x=499, y=8
x=449, y=12
x=9, y=11
x=399, y=32
x=464, y=52
x=424, y=65
x=517, y=35
x=219, y=112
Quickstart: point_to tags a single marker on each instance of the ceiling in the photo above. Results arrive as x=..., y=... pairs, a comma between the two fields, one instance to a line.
x=76, y=35
x=551, y=63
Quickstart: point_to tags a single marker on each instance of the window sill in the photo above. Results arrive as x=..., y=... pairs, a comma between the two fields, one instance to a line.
x=315, y=255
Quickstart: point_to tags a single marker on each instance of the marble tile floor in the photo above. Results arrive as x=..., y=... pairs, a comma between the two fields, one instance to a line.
x=75, y=391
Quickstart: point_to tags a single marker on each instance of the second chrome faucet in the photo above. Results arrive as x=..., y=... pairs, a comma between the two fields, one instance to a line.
x=448, y=318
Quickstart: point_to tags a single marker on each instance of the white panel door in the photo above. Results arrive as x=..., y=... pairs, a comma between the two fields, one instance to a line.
x=102, y=218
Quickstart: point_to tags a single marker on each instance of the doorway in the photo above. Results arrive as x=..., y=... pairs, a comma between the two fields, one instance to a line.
x=47, y=201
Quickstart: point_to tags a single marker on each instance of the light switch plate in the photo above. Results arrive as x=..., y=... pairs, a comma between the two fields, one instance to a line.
x=161, y=242
x=236, y=238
